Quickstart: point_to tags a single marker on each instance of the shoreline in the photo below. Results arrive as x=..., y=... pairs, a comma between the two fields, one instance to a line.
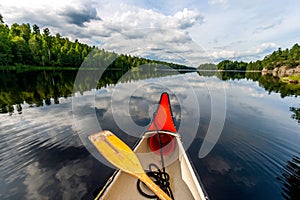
x=282, y=71
x=285, y=74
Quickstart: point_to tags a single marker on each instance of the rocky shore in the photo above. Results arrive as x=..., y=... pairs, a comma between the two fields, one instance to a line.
x=282, y=71
x=288, y=75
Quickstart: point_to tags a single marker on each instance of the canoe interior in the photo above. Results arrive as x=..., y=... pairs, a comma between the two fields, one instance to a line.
x=183, y=181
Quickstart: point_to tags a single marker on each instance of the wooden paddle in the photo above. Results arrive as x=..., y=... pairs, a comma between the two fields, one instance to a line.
x=121, y=156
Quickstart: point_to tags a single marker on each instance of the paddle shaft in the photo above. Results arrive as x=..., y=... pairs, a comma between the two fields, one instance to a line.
x=153, y=187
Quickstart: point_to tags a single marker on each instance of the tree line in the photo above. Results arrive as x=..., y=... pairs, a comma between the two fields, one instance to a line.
x=288, y=57
x=21, y=44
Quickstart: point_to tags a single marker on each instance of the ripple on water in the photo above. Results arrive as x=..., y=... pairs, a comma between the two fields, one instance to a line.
x=21, y=136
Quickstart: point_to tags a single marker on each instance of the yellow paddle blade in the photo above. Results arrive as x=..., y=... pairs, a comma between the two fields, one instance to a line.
x=121, y=156
x=116, y=152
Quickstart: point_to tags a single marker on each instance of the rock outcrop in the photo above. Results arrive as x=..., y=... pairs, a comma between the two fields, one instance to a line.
x=282, y=71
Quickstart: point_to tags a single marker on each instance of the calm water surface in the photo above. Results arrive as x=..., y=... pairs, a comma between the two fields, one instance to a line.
x=42, y=157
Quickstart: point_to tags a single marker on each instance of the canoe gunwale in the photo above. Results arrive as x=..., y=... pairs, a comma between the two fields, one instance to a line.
x=184, y=178
x=187, y=157
x=107, y=184
x=192, y=170
x=183, y=158
x=147, y=133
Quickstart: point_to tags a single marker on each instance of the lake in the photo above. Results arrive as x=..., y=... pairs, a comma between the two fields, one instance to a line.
x=44, y=116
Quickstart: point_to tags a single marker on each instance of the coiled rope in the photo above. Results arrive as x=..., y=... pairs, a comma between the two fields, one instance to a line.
x=161, y=178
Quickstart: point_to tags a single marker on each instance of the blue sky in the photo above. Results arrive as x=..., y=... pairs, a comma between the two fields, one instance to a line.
x=191, y=32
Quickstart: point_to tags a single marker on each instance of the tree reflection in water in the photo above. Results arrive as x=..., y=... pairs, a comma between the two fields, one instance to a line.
x=40, y=88
x=296, y=114
x=290, y=179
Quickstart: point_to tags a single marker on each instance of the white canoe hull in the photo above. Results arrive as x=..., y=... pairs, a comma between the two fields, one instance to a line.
x=183, y=180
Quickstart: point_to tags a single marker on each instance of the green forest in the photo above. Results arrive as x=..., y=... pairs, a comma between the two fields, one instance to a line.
x=22, y=45
x=288, y=57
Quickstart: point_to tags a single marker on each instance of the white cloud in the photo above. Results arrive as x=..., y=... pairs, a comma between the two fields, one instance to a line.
x=265, y=47
x=123, y=30
x=224, y=54
x=133, y=18
x=252, y=54
x=186, y=18
x=243, y=25
x=164, y=44
x=226, y=29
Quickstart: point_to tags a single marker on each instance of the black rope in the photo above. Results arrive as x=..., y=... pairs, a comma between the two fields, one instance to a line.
x=161, y=178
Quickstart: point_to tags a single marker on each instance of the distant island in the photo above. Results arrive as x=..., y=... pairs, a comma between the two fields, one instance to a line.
x=284, y=64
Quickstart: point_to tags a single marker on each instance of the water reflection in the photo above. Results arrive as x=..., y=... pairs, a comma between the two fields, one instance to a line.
x=47, y=87
x=268, y=82
x=290, y=179
x=42, y=156
x=35, y=88
x=296, y=113
x=67, y=176
x=42, y=88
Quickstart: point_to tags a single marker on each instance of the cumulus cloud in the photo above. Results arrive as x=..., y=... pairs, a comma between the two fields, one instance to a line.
x=147, y=29
x=187, y=18
x=221, y=23
x=265, y=47
x=162, y=44
x=256, y=52
x=148, y=33
x=80, y=14
x=251, y=54
x=224, y=54
x=156, y=35
x=41, y=16
x=134, y=18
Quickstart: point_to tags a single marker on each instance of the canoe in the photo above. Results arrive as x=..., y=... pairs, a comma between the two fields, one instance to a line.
x=163, y=157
